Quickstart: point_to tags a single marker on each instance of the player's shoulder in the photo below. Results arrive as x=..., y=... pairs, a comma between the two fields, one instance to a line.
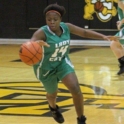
x=68, y=24
x=43, y=27
x=64, y=26
x=71, y=27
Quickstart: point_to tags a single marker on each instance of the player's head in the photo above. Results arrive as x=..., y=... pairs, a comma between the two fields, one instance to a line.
x=54, y=14
x=60, y=10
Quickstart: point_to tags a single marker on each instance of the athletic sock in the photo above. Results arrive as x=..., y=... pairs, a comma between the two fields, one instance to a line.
x=121, y=60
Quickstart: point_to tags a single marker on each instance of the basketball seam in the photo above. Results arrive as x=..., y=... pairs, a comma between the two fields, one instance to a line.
x=36, y=50
x=34, y=58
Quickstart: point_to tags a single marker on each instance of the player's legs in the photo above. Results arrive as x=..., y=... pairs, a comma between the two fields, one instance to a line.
x=118, y=50
x=71, y=82
x=50, y=83
x=67, y=75
x=51, y=97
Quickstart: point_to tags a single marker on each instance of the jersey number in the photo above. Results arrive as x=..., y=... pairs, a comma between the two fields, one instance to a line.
x=61, y=50
x=55, y=56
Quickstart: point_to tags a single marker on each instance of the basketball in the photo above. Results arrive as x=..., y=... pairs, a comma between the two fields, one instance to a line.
x=98, y=6
x=30, y=53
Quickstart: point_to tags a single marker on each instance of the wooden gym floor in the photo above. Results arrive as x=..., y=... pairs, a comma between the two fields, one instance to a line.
x=22, y=97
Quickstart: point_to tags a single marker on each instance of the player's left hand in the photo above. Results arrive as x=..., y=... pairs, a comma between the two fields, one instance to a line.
x=119, y=24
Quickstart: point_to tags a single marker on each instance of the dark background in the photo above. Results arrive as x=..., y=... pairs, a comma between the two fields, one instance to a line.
x=21, y=18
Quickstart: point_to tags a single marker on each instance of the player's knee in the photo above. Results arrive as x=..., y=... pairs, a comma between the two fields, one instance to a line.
x=115, y=45
x=111, y=43
x=51, y=96
x=75, y=90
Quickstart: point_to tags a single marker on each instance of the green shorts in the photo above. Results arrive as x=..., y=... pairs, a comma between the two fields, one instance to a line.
x=121, y=35
x=50, y=78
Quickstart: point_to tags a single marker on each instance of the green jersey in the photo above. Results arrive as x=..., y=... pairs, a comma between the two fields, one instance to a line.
x=120, y=15
x=121, y=32
x=58, y=50
x=55, y=64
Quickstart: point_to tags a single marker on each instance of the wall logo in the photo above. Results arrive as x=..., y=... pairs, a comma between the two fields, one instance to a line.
x=104, y=9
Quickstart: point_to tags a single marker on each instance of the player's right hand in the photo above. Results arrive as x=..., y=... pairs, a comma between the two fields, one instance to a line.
x=42, y=43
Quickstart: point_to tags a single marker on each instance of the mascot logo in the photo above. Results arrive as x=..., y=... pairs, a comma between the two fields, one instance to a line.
x=104, y=9
x=29, y=99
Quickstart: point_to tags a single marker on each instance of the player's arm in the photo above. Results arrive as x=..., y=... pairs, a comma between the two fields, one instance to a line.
x=88, y=33
x=84, y=32
x=121, y=4
x=121, y=22
x=39, y=37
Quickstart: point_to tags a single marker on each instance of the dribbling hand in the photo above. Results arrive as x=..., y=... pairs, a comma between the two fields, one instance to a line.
x=42, y=43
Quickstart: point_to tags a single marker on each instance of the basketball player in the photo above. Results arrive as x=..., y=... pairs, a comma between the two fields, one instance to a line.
x=56, y=65
x=118, y=46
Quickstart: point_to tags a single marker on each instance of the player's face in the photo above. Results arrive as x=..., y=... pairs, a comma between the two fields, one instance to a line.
x=53, y=21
